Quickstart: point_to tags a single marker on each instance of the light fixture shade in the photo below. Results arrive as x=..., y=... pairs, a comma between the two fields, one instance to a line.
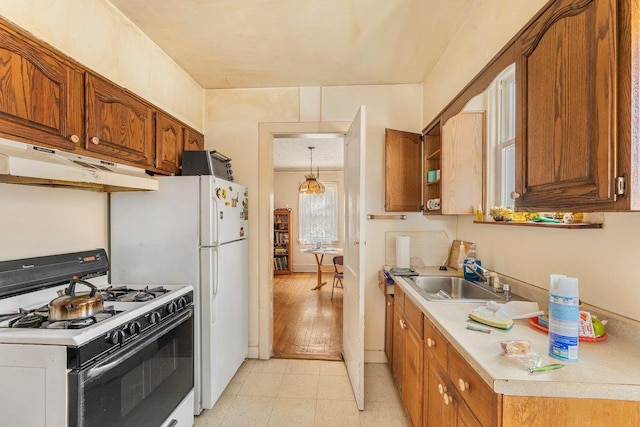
x=311, y=185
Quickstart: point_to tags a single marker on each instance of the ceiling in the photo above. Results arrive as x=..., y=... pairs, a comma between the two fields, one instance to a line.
x=288, y=43
x=285, y=43
x=294, y=154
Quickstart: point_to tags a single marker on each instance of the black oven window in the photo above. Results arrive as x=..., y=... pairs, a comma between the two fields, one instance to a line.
x=145, y=378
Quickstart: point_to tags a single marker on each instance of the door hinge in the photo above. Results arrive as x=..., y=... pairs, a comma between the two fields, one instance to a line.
x=621, y=185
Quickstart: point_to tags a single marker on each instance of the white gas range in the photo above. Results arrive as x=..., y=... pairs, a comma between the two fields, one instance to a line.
x=129, y=363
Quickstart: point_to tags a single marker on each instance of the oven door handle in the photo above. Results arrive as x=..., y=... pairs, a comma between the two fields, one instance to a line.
x=106, y=364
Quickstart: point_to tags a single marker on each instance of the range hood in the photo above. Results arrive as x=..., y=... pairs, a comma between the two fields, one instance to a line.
x=32, y=165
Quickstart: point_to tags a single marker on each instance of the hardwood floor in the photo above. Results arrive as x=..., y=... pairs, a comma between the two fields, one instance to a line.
x=307, y=324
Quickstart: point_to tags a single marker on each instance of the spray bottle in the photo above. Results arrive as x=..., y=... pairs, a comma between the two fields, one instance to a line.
x=564, y=317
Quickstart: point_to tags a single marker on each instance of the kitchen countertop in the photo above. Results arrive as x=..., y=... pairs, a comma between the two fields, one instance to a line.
x=606, y=369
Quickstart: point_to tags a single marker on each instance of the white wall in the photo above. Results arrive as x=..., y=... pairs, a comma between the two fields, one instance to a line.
x=602, y=259
x=232, y=119
x=285, y=194
x=41, y=221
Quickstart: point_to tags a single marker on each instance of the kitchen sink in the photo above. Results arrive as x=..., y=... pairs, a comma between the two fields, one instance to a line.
x=451, y=289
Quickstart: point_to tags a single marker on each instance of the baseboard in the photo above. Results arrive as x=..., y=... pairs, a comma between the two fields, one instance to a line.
x=253, y=353
x=375, y=356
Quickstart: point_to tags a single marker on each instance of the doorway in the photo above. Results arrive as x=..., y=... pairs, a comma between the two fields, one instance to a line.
x=307, y=309
x=267, y=132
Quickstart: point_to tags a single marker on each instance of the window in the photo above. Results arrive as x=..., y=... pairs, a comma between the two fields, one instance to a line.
x=502, y=135
x=318, y=216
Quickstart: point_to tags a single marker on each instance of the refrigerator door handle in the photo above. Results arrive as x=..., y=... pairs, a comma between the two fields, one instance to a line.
x=216, y=271
x=215, y=274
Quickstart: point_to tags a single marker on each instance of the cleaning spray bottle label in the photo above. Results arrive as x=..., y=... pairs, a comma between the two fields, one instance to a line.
x=564, y=318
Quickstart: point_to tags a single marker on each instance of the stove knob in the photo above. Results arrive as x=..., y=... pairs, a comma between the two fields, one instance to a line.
x=172, y=307
x=133, y=328
x=117, y=337
x=155, y=318
x=182, y=303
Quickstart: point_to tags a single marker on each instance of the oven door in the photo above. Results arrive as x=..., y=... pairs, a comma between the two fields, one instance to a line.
x=141, y=384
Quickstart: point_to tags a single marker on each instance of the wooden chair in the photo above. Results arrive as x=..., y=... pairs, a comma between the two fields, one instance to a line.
x=337, y=273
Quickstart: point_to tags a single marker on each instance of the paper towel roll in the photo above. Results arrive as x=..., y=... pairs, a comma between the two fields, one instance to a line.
x=403, y=251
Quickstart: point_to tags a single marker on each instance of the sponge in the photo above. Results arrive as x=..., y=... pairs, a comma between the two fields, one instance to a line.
x=485, y=318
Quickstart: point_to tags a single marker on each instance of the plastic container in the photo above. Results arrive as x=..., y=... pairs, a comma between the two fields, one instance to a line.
x=564, y=317
x=460, y=261
x=472, y=261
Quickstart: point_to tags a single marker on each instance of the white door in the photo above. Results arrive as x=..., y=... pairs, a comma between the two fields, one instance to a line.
x=353, y=295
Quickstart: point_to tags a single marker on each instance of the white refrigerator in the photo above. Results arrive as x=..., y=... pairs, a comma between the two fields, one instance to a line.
x=193, y=230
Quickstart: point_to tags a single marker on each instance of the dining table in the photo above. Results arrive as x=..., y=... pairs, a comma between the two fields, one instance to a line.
x=319, y=254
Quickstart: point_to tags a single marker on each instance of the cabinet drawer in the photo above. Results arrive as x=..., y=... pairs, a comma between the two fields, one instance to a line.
x=475, y=392
x=414, y=316
x=435, y=343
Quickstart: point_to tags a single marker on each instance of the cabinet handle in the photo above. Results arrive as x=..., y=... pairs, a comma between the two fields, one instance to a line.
x=95, y=140
x=442, y=389
x=463, y=385
x=514, y=195
x=389, y=303
x=431, y=343
x=448, y=399
x=74, y=138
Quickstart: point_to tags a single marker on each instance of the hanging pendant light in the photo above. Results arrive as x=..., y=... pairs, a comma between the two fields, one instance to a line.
x=311, y=185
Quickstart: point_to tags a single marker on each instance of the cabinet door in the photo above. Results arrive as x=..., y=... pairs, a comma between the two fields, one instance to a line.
x=119, y=125
x=403, y=159
x=566, y=77
x=462, y=160
x=388, y=330
x=398, y=348
x=412, y=375
x=169, y=143
x=193, y=141
x=41, y=99
x=441, y=406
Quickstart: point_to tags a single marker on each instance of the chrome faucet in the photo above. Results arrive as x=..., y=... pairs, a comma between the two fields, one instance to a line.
x=479, y=271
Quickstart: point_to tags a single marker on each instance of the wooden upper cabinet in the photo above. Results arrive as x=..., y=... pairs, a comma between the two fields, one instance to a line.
x=193, y=141
x=567, y=82
x=461, y=162
x=41, y=97
x=169, y=143
x=403, y=159
x=119, y=125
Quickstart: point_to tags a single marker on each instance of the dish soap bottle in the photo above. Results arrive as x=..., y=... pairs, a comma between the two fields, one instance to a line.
x=462, y=254
x=472, y=261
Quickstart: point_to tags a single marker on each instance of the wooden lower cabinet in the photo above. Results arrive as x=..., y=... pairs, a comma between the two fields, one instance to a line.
x=388, y=330
x=439, y=387
x=407, y=362
x=439, y=408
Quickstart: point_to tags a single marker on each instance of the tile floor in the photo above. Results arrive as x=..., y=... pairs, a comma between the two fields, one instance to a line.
x=314, y=393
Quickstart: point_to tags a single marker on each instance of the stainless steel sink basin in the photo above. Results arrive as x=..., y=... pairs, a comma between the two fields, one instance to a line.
x=451, y=289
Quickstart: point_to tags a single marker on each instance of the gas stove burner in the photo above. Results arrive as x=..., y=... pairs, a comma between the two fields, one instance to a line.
x=80, y=323
x=30, y=320
x=143, y=296
x=126, y=294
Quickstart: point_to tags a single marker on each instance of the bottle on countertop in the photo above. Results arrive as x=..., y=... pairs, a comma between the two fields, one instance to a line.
x=462, y=254
x=479, y=213
x=564, y=317
x=472, y=261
